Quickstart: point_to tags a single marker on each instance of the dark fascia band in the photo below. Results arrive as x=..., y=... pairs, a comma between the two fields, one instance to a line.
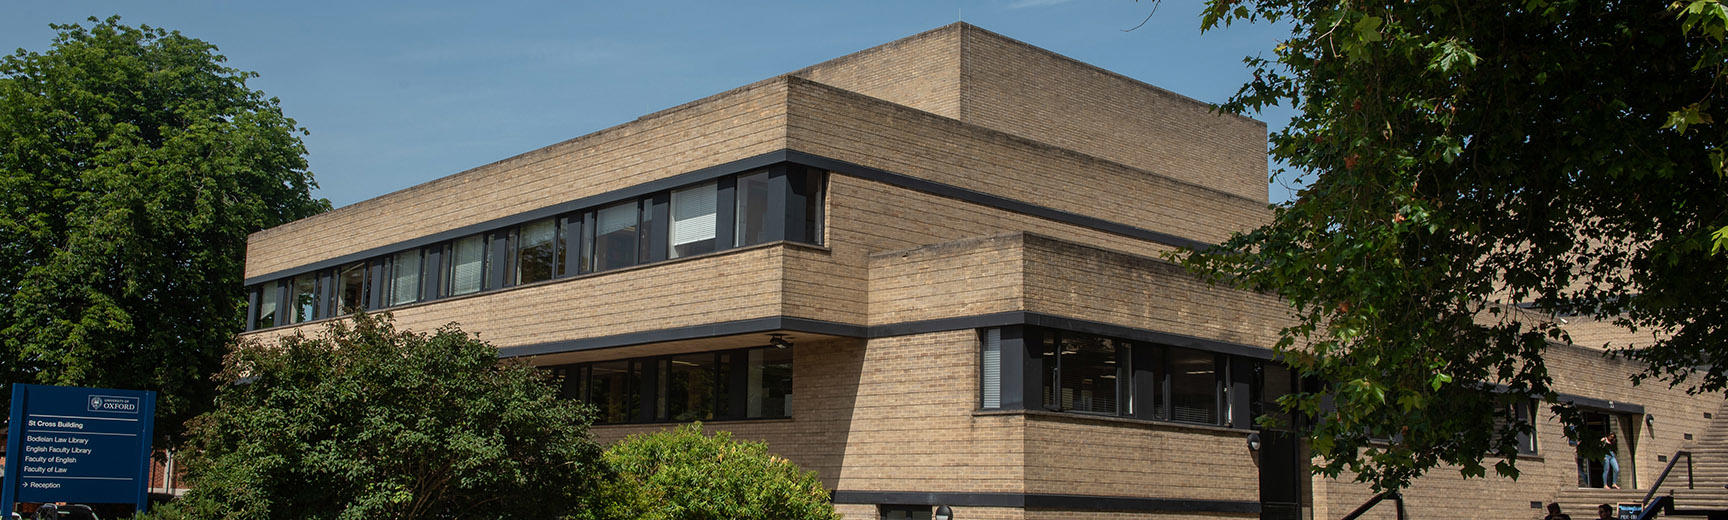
x=829, y=328
x=1049, y=501
x=741, y=166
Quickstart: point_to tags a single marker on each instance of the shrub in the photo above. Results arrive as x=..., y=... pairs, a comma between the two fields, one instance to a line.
x=685, y=475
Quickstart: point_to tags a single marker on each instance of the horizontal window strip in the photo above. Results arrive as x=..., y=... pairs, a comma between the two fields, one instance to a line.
x=747, y=164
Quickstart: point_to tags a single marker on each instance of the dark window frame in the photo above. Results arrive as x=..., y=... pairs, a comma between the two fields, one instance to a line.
x=729, y=395
x=794, y=210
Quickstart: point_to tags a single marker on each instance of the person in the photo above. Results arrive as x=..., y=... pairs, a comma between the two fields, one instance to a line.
x=1610, y=464
x=1555, y=514
x=1604, y=512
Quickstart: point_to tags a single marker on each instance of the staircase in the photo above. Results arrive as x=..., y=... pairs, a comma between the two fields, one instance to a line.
x=1709, y=475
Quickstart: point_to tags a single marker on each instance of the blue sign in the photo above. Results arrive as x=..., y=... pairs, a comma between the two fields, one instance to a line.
x=80, y=445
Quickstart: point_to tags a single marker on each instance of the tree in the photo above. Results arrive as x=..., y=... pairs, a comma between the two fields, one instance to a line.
x=365, y=421
x=133, y=164
x=1460, y=158
x=683, y=474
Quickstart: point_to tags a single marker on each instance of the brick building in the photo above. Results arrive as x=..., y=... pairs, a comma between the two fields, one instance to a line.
x=928, y=271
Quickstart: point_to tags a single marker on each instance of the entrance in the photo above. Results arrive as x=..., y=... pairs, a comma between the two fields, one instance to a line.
x=1281, y=475
x=1596, y=426
x=1283, y=471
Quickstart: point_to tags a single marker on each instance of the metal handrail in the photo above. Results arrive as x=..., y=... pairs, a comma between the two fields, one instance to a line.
x=1397, y=500
x=1665, y=504
x=1664, y=476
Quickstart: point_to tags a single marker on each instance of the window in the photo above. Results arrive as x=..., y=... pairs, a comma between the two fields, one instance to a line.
x=768, y=383
x=752, y=225
x=905, y=512
x=693, y=220
x=1525, y=410
x=813, y=195
x=614, y=391
x=736, y=384
x=467, y=265
x=404, y=278
x=536, y=243
x=687, y=387
x=990, y=369
x=615, y=236
x=268, y=297
x=350, y=288
x=1087, y=375
x=1271, y=381
x=304, y=297
x=1194, y=385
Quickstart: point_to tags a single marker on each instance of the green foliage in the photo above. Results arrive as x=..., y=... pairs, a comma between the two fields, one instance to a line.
x=1460, y=157
x=365, y=421
x=685, y=475
x=132, y=166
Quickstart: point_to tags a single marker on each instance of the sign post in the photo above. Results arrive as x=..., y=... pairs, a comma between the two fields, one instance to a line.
x=71, y=444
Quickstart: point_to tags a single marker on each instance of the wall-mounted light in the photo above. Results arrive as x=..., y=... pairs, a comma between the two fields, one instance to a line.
x=1649, y=419
x=943, y=513
x=1254, y=441
x=779, y=341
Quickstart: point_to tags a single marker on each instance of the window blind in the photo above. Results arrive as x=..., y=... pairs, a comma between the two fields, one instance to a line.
x=467, y=259
x=405, y=277
x=616, y=218
x=990, y=377
x=693, y=214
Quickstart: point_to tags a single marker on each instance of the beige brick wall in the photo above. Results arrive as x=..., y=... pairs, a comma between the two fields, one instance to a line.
x=891, y=414
x=843, y=125
x=920, y=71
x=982, y=78
x=961, y=278
x=1081, y=455
x=1077, y=280
x=729, y=126
x=1028, y=91
x=1578, y=371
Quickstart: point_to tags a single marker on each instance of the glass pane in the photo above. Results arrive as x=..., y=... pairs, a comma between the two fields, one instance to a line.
x=615, y=237
x=813, y=207
x=268, y=295
x=1047, y=350
x=305, y=297
x=906, y=512
x=613, y=391
x=534, y=261
x=1277, y=381
x=769, y=383
x=990, y=369
x=1193, y=385
x=1090, y=372
x=752, y=209
x=693, y=214
x=351, y=288
x=687, y=387
x=467, y=262
x=405, y=278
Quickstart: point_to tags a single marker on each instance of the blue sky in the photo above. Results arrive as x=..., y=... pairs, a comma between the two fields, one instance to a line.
x=396, y=94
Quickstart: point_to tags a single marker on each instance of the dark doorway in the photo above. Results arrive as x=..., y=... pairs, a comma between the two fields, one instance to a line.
x=1596, y=425
x=1281, y=475
x=1282, y=467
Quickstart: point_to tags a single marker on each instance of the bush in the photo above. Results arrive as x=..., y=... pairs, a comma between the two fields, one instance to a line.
x=685, y=475
x=364, y=421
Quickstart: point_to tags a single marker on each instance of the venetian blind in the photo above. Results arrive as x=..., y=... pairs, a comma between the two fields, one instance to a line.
x=991, y=376
x=693, y=214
